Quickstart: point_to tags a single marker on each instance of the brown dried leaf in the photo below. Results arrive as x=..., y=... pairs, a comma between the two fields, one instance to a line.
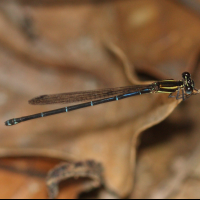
x=113, y=146
x=67, y=54
x=91, y=171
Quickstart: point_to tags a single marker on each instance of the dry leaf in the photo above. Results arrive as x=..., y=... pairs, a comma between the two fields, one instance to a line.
x=91, y=171
x=60, y=47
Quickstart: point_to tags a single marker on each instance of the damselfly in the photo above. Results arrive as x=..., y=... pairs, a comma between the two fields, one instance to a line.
x=184, y=88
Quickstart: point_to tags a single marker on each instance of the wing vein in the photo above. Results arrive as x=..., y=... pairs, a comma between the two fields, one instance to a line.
x=81, y=96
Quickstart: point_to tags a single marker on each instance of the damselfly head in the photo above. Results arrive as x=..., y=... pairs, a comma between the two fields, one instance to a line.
x=188, y=83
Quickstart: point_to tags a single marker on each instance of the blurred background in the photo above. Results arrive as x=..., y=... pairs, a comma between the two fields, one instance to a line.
x=55, y=46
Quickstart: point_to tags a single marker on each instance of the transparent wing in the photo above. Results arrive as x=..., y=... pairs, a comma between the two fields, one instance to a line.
x=89, y=95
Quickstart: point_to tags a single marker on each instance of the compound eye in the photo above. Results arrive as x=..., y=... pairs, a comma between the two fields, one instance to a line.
x=186, y=74
x=188, y=90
